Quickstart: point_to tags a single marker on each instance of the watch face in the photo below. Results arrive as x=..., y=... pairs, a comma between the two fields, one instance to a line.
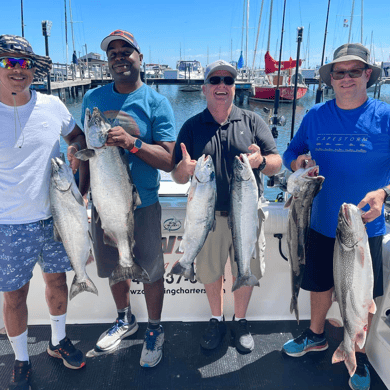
x=138, y=143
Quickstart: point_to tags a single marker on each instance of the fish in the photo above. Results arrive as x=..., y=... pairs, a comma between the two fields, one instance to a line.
x=303, y=185
x=70, y=224
x=353, y=281
x=114, y=195
x=200, y=216
x=243, y=220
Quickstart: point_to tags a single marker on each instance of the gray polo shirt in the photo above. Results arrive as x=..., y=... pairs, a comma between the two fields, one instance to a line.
x=203, y=135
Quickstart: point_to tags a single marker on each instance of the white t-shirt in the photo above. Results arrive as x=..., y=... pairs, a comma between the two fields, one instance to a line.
x=25, y=171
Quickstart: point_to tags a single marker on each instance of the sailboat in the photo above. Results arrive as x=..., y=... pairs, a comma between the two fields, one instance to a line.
x=265, y=85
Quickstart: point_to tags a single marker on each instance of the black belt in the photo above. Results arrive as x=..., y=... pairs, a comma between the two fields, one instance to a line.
x=222, y=213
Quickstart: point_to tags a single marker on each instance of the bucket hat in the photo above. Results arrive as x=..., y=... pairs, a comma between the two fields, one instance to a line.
x=121, y=35
x=350, y=52
x=13, y=44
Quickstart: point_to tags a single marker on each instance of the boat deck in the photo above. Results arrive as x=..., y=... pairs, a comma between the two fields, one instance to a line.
x=185, y=365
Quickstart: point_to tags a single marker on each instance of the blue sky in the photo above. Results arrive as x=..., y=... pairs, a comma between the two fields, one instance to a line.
x=170, y=30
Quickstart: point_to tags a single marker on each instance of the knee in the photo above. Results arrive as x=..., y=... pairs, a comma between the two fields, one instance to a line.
x=16, y=299
x=55, y=281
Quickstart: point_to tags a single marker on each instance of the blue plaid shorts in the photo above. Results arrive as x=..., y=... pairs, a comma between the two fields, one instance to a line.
x=22, y=246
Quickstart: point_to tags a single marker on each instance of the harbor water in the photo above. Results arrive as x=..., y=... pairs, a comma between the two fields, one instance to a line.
x=187, y=104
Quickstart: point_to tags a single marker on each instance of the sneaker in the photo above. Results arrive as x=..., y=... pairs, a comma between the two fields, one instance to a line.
x=242, y=337
x=73, y=358
x=361, y=379
x=306, y=342
x=214, y=334
x=112, y=337
x=152, y=348
x=20, y=376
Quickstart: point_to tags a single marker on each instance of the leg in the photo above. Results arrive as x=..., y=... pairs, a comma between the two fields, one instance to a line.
x=320, y=303
x=121, y=295
x=214, y=292
x=154, y=296
x=242, y=297
x=56, y=293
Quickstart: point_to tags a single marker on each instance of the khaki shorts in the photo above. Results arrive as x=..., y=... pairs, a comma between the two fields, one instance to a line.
x=211, y=260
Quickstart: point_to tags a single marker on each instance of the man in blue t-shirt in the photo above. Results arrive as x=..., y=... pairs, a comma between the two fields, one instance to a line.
x=348, y=138
x=143, y=125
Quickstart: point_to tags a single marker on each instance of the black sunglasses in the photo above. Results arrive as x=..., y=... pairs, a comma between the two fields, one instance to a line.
x=215, y=80
x=353, y=73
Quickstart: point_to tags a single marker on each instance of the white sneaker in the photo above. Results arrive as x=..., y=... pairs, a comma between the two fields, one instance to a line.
x=112, y=337
x=152, y=348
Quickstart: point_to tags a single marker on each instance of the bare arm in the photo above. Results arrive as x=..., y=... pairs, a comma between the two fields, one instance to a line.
x=185, y=168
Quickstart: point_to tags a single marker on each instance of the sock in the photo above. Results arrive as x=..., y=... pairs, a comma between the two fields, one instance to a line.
x=57, y=328
x=125, y=314
x=19, y=345
x=153, y=324
x=219, y=318
x=238, y=319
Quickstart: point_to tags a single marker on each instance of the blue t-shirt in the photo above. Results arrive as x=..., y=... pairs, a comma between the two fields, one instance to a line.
x=145, y=114
x=352, y=149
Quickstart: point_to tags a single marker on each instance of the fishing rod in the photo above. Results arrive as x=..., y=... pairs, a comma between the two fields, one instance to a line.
x=319, y=90
x=300, y=33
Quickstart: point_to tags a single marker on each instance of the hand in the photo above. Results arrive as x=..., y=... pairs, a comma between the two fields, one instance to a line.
x=117, y=136
x=74, y=162
x=303, y=161
x=255, y=157
x=186, y=164
x=375, y=199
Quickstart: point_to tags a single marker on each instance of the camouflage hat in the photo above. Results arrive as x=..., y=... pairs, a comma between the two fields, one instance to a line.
x=14, y=44
x=121, y=35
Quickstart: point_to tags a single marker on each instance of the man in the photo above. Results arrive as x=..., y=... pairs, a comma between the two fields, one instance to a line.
x=31, y=124
x=223, y=131
x=143, y=125
x=349, y=139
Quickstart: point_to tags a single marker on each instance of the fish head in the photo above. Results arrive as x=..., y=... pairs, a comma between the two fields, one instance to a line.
x=61, y=174
x=303, y=181
x=204, y=170
x=350, y=227
x=242, y=170
x=96, y=128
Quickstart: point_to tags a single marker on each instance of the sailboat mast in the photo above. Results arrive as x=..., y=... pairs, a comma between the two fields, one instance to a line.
x=361, y=30
x=247, y=28
x=350, y=26
x=66, y=34
x=71, y=23
x=243, y=24
x=21, y=11
x=257, y=36
x=269, y=28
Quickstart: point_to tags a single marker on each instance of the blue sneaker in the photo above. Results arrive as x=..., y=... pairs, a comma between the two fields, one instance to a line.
x=152, y=349
x=361, y=379
x=306, y=342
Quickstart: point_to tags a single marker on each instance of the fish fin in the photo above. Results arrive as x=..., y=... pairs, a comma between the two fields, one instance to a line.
x=77, y=195
x=133, y=272
x=181, y=246
x=361, y=338
x=372, y=308
x=294, y=307
x=108, y=240
x=288, y=203
x=241, y=281
x=56, y=235
x=334, y=296
x=178, y=269
x=136, y=197
x=341, y=355
x=79, y=286
x=85, y=154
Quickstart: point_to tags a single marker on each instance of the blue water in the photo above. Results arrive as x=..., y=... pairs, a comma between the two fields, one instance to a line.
x=187, y=104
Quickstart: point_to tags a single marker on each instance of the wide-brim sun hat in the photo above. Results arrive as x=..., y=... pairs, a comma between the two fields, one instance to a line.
x=13, y=44
x=350, y=52
x=121, y=35
x=219, y=65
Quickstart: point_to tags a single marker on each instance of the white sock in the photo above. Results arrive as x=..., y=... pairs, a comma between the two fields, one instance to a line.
x=57, y=328
x=19, y=345
x=219, y=318
x=238, y=319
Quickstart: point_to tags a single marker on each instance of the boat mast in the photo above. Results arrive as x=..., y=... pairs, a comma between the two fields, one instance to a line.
x=269, y=28
x=361, y=30
x=257, y=36
x=21, y=10
x=350, y=26
x=66, y=37
x=247, y=28
x=71, y=23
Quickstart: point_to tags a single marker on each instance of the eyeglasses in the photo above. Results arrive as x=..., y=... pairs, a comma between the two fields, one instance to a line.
x=215, y=80
x=353, y=73
x=9, y=63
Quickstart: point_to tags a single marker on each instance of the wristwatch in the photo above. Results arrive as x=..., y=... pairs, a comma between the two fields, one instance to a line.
x=137, y=146
x=262, y=165
x=387, y=191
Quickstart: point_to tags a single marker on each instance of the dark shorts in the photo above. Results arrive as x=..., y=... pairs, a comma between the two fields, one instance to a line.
x=318, y=274
x=24, y=245
x=147, y=249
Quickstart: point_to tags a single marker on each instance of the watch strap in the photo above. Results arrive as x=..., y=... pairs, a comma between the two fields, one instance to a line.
x=262, y=165
x=387, y=192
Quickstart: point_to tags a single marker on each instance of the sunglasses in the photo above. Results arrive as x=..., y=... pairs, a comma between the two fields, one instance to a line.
x=215, y=80
x=353, y=73
x=9, y=62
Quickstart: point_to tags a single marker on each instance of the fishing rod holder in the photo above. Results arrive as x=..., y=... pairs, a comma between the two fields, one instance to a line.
x=274, y=120
x=279, y=180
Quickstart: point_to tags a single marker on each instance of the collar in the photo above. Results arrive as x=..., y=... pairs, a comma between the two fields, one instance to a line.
x=235, y=115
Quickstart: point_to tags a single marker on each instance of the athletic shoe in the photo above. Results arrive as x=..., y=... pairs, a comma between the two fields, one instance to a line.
x=242, y=337
x=152, y=348
x=361, y=379
x=214, y=334
x=73, y=358
x=306, y=342
x=111, y=338
x=20, y=376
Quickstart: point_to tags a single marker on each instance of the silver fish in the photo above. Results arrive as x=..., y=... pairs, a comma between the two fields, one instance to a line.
x=200, y=216
x=353, y=281
x=70, y=224
x=113, y=193
x=243, y=220
x=303, y=185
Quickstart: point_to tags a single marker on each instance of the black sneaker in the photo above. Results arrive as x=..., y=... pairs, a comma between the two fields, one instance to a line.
x=20, y=376
x=73, y=358
x=243, y=339
x=214, y=334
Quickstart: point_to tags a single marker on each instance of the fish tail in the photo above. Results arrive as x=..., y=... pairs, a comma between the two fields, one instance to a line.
x=132, y=272
x=348, y=357
x=178, y=269
x=241, y=281
x=79, y=286
x=294, y=307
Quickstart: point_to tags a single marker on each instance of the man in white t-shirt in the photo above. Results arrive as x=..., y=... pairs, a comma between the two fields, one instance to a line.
x=31, y=124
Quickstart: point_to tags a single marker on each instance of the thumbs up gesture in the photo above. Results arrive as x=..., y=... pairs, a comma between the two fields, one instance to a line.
x=188, y=165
